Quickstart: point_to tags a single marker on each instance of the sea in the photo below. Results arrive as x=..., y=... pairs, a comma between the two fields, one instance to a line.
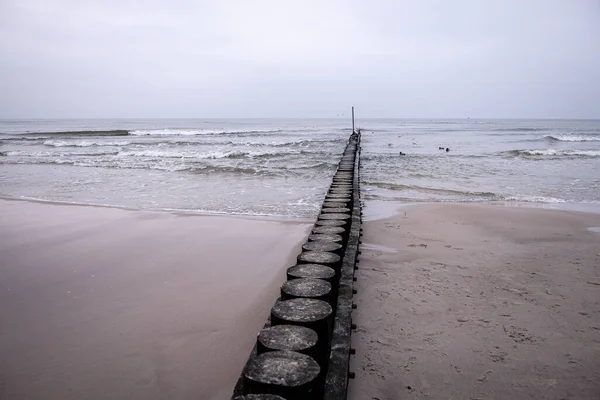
x=282, y=167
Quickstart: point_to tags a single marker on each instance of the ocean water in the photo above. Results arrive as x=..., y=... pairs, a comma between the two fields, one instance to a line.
x=283, y=167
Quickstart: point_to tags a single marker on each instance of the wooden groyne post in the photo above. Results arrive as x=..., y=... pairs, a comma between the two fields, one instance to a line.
x=303, y=351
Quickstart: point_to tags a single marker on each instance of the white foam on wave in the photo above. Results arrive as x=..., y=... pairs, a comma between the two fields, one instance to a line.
x=535, y=199
x=83, y=143
x=551, y=152
x=199, y=154
x=194, y=132
x=20, y=153
x=539, y=152
x=573, y=138
x=177, y=154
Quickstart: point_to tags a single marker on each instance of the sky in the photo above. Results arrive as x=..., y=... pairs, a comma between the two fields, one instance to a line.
x=278, y=58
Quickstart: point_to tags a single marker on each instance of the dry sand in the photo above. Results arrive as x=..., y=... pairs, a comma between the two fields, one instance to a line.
x=100, y=303
x=478, y=302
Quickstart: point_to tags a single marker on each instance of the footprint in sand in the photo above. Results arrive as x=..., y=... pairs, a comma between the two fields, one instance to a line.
x=519, y=335
x=498, y=357
x=484, y=377
x=411, y=361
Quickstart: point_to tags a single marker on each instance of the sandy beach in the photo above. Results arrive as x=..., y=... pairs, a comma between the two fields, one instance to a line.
x=478, y=302
x=105, y=303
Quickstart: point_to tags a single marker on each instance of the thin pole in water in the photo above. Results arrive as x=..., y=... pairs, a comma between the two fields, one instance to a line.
x=352, y=119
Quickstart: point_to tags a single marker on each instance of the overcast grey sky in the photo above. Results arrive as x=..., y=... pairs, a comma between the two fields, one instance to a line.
x=277, y=58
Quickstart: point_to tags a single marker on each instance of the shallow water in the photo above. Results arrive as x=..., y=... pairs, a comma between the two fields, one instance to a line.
x=531, y=161
x=283, y=167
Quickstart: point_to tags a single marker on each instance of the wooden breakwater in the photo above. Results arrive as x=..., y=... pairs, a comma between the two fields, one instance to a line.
x=303, y=351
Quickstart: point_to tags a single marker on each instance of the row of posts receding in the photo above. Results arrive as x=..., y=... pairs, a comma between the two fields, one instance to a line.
x=304, y=348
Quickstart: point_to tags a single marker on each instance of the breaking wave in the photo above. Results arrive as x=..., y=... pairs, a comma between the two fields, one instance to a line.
x=44, y=135
x=188, y=166
x=170, y=168
x=85, y=143
x=215, y=154
x=534, y=199
x=143, y=132
x=552, y=153
x=146, y=143
x=37, y=154
x=573, y=138
x=195, y=132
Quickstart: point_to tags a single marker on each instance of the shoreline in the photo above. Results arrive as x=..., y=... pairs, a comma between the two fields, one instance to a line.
x=381, y=209
x=461, y=301
x=181, y=212
x=377, y=209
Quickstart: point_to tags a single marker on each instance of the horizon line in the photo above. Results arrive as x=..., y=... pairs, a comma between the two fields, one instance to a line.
x=304, y=118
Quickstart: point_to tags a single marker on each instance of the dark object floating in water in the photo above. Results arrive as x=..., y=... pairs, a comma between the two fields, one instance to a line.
x=447, y=149
x=440, y=148
x=402, y=154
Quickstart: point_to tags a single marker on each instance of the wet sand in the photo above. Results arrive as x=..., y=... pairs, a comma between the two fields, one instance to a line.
x=478, y=302
x=101, y=303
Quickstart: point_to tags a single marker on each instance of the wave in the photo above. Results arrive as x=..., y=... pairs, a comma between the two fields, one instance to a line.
x=44, y=135
x=93, y=143
x=144, y=143
x=519, y=129
x=500, y=198
x=37, y=154
x=307, y=142
x=226, y=169
x=168, y=168
x=534, y=199
x=168, y=153
x=552, y=153
x=573, y=138
x=318, y=165
x=196, y=132
x=139, y=132
x=529, y=140
x=392, y=186
x=211, y=155
x=287, y=155
x=85, y=143
x=22, y=138
x=178, y=154
x=193, y=167
x=464, y=195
